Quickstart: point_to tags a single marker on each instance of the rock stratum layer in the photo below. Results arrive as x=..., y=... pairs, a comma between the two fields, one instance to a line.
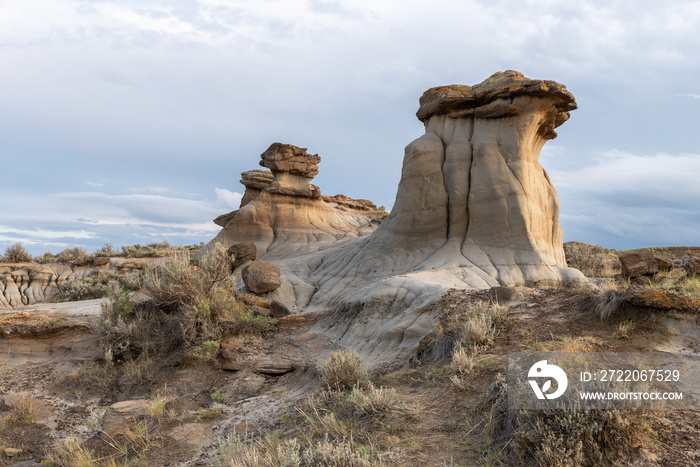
x=30, y=283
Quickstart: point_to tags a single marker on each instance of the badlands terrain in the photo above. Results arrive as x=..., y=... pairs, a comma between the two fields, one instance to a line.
x=323, y=330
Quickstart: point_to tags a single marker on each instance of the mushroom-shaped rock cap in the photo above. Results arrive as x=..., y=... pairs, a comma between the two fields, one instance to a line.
x=291, y=159
x=490, y=99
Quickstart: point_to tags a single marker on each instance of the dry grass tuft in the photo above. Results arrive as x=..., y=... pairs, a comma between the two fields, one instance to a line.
x=567, y=344
x=23, y=412
x=473, y=328
x=344, y=371
x=610, y=301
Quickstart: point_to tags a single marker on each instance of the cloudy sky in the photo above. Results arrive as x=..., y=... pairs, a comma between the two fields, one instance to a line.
x=130, y=121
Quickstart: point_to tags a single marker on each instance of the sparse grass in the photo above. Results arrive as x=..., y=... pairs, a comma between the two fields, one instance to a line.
x=344, y=371
x=678, y=281
x=355, y=425
x=92, y=375
x=237, y=450
x=567, y=344
x=23, y=412
x=624, y=329
x=462, y=365
x=71, y=453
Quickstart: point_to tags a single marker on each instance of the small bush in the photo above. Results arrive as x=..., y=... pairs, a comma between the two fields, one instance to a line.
x=461, y=365
x=610, y=301
x=191, y=306
x=374, y=402
x=344, y=371
x=472, y=328
x=559, y=437
x=77, y=256
x=591, y=260
x=574, y=437
x=208, y=412
x=16, y=254
x=207, y=350
x=106, y=250
x=176, y=282
x=47, y=257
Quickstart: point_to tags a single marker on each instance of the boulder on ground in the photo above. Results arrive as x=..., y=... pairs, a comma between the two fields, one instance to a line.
x=261, y=277
x=274, y=366
x=242, y=252
x=123, y=414
x=692, y=266
x=638, y=263
x=664, y=264
x=278, y=309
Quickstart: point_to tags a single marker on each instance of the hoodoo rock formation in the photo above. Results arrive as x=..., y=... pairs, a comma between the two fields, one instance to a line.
x=474, y=209
x=473, y=198
x=281, y=211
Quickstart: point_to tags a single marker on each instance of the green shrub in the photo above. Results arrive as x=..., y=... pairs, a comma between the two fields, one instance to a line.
x=344, y=371
x=16, y=254
x=86, y=289
x=191, y=306
x=176, y=282
x=207, y=350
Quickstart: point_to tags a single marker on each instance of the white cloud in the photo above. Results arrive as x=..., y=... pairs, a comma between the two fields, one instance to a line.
x=231, y=200
x=44, y=234
x=94, y=184
x=629, y=200
x=91, y=219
